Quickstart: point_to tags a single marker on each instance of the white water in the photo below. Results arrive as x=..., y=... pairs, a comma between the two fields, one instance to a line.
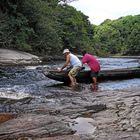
x=14, y=95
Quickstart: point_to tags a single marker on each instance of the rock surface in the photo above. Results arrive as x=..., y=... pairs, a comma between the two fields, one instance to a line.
x=12, y=57
x=48, y=111
x=49, y=117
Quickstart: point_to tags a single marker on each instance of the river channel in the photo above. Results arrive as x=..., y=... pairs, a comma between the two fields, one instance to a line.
x=20, y=82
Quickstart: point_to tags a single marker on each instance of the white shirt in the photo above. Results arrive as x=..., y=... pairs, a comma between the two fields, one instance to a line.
x=74, y=61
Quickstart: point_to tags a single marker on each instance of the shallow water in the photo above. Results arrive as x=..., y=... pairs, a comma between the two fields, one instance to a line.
x=117, y=63
x=119, y=84
x=25, y=82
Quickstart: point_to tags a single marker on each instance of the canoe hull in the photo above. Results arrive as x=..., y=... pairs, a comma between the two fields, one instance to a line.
x=84, y=76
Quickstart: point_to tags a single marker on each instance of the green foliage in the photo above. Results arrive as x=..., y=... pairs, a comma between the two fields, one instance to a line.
x=119, y=36
x=49, y=26
x=44, y=26
x=43, y=19
x=76, y=29
x=16, y=31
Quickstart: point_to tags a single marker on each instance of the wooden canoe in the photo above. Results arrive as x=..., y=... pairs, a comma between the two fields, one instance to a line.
x=84, y=75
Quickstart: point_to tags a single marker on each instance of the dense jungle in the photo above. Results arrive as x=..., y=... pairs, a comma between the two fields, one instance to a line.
x=48, y=26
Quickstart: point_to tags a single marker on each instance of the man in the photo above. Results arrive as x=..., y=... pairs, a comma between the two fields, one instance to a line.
x=94, y=66
x=74, y=61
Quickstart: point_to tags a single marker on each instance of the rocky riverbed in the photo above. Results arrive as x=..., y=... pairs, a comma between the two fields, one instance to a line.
x=115, y=115
x=52, y=111
x=33, y=107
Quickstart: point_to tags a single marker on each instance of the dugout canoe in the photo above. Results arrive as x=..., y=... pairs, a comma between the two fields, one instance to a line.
x=84, y=75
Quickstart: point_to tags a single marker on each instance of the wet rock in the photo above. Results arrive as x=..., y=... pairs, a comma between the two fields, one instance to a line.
x=68, y=137
x=6, y=116
x=24, y=138
x=33, y=125
x=120, y=121
x=20, y=76
x=48, y=110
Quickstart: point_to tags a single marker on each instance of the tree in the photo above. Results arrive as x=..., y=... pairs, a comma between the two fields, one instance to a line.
x=44, y=26
x=119, y=36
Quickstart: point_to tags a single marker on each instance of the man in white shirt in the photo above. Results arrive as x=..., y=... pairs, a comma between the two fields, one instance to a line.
x=76, y=64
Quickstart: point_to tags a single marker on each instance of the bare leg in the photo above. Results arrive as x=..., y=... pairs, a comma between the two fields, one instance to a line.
x=94, y=84
x=72, y=79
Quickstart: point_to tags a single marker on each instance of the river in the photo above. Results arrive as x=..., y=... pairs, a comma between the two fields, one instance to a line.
x=20, y=82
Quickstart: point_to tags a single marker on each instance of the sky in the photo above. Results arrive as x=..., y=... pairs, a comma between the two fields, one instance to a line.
x=99, y=10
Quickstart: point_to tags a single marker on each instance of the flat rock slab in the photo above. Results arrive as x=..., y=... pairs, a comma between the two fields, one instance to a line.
x=14, y=57
x=69, y=137
x=33, y=125
x=6, y=116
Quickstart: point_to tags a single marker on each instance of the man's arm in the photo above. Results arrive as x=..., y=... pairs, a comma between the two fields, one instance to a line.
x=67, y=62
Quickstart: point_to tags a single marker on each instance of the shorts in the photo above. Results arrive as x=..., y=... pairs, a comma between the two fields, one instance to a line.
x=74, y=71
x=94, y=74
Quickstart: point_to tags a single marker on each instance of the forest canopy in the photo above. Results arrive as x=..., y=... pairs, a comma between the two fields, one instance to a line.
x=121, y=36
x=49, y=26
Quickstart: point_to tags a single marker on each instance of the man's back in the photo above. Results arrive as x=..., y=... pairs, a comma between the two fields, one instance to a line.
x=92, y=62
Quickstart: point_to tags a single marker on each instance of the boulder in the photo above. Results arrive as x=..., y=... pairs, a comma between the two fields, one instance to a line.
x=14, y=57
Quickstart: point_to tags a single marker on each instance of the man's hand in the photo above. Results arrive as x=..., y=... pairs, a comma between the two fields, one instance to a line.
x=59, y=69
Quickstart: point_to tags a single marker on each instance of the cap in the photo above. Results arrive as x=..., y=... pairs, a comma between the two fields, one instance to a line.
x=66, y=51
